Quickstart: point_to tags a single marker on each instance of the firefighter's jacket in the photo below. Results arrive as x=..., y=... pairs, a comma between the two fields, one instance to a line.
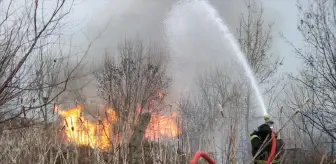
x=257, y=139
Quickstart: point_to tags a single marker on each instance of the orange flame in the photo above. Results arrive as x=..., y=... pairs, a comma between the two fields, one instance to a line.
x=162, y=126
x=81, y=131
x=161, y=95
x=56, y=108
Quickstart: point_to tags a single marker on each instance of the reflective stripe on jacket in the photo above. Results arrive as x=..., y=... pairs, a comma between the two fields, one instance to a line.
x=253, y=137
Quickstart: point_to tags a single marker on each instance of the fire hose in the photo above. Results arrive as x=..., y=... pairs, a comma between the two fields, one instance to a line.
x=204, y=155
x=270, y=158
x=273, y=149
x=198, y=155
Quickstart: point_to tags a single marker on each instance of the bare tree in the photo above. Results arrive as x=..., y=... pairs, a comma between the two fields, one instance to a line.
x=133, y=76
x=35, y=67
x=301, y=133
x=207, y=115
x=255, y=38
x=317, y=27
x=46, y=72
x=53, y=78
x=21, y=29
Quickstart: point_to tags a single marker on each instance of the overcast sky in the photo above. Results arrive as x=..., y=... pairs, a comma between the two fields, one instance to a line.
x=287, y=18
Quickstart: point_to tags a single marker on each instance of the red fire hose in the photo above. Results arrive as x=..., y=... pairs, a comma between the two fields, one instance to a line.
x=273, y=149
x=198, y=155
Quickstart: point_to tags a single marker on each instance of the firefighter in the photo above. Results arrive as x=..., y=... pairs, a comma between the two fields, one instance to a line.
x=258, y=138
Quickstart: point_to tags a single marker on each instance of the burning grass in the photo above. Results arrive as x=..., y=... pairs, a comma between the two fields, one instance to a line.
x=40, y=146
x=76, y=138
x=81, y=131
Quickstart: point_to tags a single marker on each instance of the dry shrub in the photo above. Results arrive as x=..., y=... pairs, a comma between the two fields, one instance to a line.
x=43, y=146
x=154, y=152
x=300, y=156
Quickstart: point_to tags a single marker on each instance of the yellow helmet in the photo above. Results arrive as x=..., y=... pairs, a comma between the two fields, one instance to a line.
x=266, y=117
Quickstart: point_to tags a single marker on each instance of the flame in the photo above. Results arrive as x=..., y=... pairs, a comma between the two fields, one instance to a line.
x=56, y=108
x=81, y=131
x=161, y=95
x=162, y=126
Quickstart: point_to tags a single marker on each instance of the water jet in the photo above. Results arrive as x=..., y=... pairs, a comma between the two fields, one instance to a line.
x=213, y=16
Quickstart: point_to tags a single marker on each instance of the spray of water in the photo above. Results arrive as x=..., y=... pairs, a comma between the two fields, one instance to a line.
x=213, y=15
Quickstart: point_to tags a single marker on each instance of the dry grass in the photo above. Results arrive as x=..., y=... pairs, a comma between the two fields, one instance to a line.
x=40, y=146
x=44, y=146
x=299, y=156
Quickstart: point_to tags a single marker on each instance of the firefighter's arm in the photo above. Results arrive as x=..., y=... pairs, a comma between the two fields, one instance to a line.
x=255, y=142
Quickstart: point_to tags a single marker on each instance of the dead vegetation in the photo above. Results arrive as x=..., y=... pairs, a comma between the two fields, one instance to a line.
x=36, y=145
x=33, y=81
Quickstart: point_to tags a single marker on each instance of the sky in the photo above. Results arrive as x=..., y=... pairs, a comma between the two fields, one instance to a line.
x=286, y=20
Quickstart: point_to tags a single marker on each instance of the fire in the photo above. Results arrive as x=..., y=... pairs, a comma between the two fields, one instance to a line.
x=81, y=131
x=162, y=126
x=161, y=95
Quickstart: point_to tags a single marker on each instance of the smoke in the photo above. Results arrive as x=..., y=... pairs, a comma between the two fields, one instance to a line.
x=202, y=48
x=145, y=18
